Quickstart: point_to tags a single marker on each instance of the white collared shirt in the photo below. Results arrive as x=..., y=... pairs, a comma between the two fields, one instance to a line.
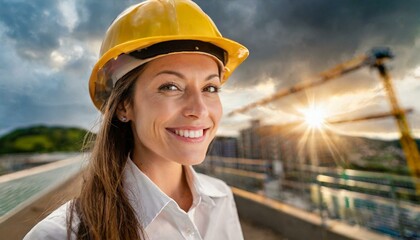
x=212, y=216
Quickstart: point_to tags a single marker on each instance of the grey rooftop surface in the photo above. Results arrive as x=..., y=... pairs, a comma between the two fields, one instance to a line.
x=16, y=226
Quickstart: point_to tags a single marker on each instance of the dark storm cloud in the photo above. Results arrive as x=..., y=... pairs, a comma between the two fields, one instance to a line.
x=37, y=26
x=96, y=16
x=282, y=35
x=34, y=25
x=58, y=98
x=32, y=89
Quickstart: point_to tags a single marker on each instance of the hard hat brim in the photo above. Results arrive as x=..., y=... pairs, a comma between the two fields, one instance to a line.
x=237, y=53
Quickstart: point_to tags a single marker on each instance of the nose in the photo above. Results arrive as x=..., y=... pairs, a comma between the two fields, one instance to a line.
x=195, y=105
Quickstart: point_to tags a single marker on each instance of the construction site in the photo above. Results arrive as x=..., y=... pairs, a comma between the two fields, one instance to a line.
x=302, y=174
x=210, y=120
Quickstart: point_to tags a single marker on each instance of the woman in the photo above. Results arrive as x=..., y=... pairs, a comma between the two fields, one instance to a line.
x=156, y=83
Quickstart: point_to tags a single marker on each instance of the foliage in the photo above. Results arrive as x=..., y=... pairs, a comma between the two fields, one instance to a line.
x=42, y=139
x=379, y=167
x=397, y=143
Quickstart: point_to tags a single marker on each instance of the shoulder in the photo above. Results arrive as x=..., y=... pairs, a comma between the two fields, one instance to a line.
x=54, y=226
x=221, y=197
x=212, y=180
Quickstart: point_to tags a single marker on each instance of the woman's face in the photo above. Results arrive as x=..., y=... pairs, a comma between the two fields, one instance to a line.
x=176, y=108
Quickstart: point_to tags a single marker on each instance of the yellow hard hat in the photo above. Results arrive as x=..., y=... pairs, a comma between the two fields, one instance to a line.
x=155, y=22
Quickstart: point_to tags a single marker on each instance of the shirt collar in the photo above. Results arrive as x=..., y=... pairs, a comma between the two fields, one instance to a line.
x=145, y=197
x=147, y=200
x=202, y=185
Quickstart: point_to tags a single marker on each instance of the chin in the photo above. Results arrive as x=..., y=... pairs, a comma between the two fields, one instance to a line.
x=187, y=156
x=197, y=162
x=192, y=159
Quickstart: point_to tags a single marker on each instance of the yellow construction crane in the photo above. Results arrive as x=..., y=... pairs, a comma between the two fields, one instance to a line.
x=408, y=144
x=375, y=58
x=364, y=118
x=275, y=129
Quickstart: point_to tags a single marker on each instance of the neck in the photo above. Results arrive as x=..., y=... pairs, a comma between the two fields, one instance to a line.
x=169, y=176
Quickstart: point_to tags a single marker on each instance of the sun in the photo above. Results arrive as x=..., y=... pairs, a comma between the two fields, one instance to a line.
x=314, y=117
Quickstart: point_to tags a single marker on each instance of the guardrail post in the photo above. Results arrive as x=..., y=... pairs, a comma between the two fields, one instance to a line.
x=321, y=208
x=396, y=205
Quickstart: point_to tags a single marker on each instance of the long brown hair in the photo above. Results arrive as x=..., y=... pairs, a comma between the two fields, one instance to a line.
x=102, y=206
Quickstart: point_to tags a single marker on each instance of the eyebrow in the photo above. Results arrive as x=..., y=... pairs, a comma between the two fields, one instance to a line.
x=180, y=75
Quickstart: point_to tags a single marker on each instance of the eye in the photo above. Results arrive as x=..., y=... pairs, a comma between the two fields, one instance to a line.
x=212, y=89
x=168, y=87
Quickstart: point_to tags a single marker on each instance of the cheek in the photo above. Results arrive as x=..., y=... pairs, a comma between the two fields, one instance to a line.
x=151, y=112
x=144, y=112
x=216, y=110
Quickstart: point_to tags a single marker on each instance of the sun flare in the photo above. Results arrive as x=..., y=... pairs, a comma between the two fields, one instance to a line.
x=314, y=117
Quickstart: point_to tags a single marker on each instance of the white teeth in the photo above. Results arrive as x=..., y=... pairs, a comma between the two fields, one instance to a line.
x=189, y=133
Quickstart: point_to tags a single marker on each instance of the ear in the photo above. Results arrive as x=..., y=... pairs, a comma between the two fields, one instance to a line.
x=124, y=112
x=222, y=74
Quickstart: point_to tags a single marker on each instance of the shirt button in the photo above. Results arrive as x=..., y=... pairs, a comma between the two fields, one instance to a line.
x=190, y=232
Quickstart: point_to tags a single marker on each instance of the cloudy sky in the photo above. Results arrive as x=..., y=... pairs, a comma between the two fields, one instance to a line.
x=48, y=48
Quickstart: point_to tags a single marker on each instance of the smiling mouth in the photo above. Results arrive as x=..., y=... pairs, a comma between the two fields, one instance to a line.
x=186, y=133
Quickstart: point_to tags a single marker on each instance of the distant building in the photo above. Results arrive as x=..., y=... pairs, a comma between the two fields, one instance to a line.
x=297, y=154
x=249, y=142
x=293, y=145
x=224, y=147
x=298, y=150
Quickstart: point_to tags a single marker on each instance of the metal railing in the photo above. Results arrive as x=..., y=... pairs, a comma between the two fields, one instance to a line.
x=20, y=189
x=385, y=203
x=382, y=202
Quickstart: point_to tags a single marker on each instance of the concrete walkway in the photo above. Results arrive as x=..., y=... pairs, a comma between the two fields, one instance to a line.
x=256, y=232
x=19, y=224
